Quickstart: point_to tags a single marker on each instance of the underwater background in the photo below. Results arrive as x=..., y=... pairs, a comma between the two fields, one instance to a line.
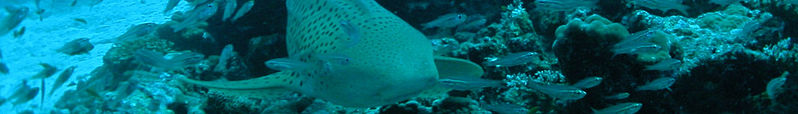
x=512, y=56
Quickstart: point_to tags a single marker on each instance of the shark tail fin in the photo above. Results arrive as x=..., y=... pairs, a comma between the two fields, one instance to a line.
x=264, y=82
x=261, y=87
x=252, y=93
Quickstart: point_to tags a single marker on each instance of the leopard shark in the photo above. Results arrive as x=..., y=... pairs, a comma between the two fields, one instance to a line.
x=353, y=53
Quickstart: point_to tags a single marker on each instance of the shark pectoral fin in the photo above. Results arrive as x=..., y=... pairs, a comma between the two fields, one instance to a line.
x=268, y=93
x=270, y=81
x=451, y=67
x=455, y=67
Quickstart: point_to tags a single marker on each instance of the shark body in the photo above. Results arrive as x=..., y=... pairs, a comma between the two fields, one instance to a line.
x=389, y=60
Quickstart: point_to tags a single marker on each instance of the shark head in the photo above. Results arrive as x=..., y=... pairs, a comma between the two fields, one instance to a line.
x=360, y=55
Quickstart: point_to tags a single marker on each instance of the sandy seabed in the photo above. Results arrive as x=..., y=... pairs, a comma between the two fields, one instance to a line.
x=106, y=20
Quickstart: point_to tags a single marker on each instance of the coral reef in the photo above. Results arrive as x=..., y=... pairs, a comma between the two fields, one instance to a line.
x=721, y=57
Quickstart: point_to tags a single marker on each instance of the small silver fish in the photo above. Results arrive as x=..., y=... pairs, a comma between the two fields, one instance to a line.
x=23, y=94
x=95, y=2
x=19, y=32
x=3, y=68
x=665, y=65
x=81, y=20
x=663, y=5
x=140, y=30
x=157, y=60
x=26, y=96
x=421, y=5
x=41, y=14
x=561, y=92
x=364, y=6
x=77, y=46
x=26, y=112
x=243, y=10
x=187, y=58
x=37, y=3
x=514, y=59
x=132, y=33
x=14, y=17
x=63, y=77
x=333, y=58
x=623, y=108
x=774, y=87
x=94, y=93
x=723, y=2
x=24, y=88
x=283, y=64
x=42, y=91
x=331, y=61
x=623, y=95
x=647, y=48
x=446, y=21
x=224, y=58
x=360, y=5
x=588, y=82
x=638, y=42
x=74, y=3
x=352, y=31
x=198, y=15
x=3, y=101
x=48, y=71
x=748, y=30
x=206, y=35
x=468, y=83
x=657, y=84
x=171, y=5
x=506, y=108
x=197, y=2
x=125, y=89
x=150, y=57
x=229, y=8
x=564, y=5
x=472, y=25
x=99, y=79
